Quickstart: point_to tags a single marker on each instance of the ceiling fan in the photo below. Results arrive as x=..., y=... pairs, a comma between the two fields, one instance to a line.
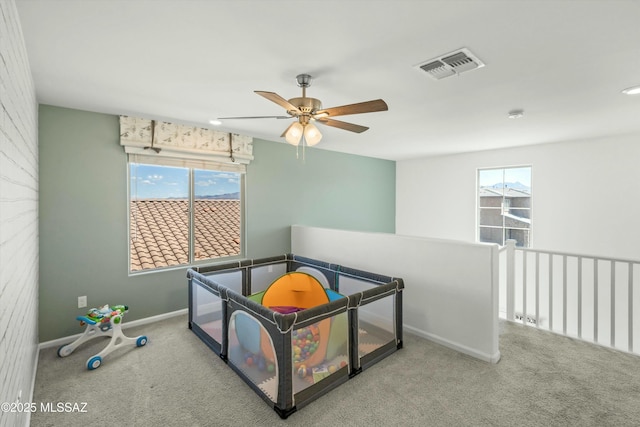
x=308, y=110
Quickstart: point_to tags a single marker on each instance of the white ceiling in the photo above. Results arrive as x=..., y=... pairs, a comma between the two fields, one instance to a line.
x=564, y=62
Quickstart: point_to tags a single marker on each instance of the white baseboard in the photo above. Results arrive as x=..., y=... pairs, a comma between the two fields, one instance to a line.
x=491, y=358
x=33, y=386
x=126, y=325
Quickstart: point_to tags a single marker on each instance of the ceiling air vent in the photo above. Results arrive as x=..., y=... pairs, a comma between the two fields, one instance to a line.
x=451, y=64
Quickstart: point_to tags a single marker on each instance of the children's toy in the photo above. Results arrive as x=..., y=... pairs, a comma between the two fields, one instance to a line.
x=100, y=322
x=290, y=293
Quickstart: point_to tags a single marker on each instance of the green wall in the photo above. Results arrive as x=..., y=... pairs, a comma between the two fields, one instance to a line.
x=327, y=189
x=83, y=214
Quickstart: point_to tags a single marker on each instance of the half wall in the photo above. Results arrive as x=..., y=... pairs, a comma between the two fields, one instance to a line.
x=451, y=288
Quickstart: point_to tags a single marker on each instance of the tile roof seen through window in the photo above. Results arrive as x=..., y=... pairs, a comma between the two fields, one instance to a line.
x=160, y=231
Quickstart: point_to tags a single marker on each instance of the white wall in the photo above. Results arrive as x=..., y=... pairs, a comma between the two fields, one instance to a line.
x=586, y=195
x=451, y=288
x=18, y=218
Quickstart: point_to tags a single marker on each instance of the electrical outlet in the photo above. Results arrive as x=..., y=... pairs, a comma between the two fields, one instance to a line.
x=82, y=301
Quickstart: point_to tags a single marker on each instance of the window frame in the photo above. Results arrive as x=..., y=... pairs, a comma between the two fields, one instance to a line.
x=501, y=208
x=192, y=262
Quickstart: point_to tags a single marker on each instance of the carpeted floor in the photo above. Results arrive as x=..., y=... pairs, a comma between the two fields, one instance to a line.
x=175, y=380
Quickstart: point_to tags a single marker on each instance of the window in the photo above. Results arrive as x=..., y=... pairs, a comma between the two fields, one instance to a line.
x=181, y=215
x=504, y=205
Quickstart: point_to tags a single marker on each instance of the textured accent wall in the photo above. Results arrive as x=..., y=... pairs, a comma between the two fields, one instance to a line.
x=18, y=217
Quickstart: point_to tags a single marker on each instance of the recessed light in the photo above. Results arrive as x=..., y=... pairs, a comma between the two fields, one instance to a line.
x=215, y=122
x=515, y=114
x=635, y=90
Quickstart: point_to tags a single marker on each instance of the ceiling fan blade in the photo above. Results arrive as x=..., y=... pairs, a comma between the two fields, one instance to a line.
x=361, y=107
x=274, y=97
x=255, y=117
x=343, y=125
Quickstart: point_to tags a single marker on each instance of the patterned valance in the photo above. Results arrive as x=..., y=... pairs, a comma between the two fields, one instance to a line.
x=163, y=139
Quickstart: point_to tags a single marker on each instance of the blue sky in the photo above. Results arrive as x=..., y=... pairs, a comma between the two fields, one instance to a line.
x=489, y=177
x=159, y=182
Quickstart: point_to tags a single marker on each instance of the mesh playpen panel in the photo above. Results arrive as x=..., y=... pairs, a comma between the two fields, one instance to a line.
x=292, y=359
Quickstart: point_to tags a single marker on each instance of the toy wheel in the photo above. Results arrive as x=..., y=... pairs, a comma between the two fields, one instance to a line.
x=94, y=363
x=104, y=327
x=142, y=340
x=64, y=350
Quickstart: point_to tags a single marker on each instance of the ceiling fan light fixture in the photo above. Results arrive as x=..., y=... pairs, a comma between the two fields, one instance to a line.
x=311, y=134
x=294, y=134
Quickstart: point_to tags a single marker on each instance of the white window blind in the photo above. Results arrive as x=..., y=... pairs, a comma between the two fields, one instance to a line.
x=183, y=162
